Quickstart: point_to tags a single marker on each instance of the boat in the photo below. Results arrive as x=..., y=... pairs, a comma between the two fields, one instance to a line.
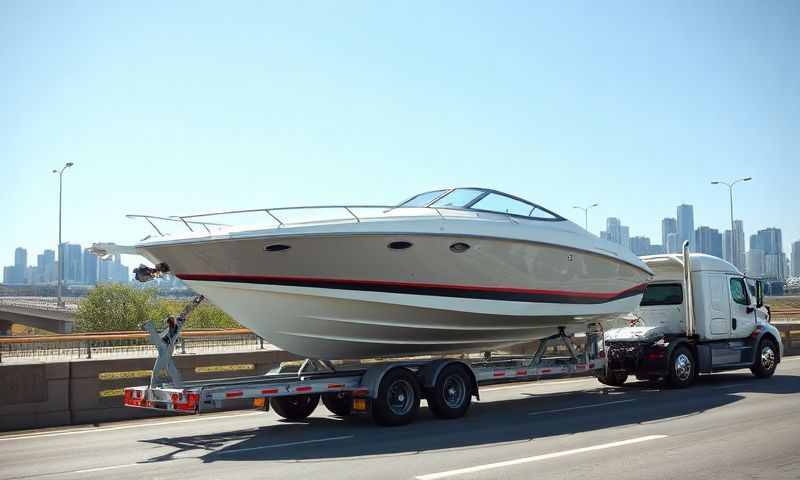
x=452, y=270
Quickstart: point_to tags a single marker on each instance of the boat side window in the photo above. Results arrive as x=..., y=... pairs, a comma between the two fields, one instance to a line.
x=458, y=198
x=495, y=202
x=739, y=291
x=662, y=294
x=423, y=199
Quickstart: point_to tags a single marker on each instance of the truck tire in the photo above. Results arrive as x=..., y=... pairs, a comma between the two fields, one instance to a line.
x=681, y=367
x=451, y=396
x=339, y=403
x=397, y=402
x=766, y=359
x=612, y=379
x=295, y=407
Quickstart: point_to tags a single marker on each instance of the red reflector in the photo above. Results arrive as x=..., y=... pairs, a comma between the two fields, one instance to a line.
x=185, y=401
x=499, y=374
x=133, y=398
x=234, y=394
x=302, y=389
x=654, y=355
x=580, y=366
x=269, y=391
x=335, y=385
x=522, y=372
x=361, y=392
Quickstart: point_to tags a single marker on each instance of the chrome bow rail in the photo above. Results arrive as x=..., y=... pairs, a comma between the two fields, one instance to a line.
x=274, y=213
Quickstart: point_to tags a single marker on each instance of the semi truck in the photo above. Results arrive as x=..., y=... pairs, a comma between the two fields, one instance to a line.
x=698, y=315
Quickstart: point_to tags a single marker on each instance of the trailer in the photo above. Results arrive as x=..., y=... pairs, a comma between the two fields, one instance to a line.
x=388, y=391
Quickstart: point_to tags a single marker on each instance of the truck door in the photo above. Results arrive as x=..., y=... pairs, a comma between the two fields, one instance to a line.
x=743, y=320
x=719, y=326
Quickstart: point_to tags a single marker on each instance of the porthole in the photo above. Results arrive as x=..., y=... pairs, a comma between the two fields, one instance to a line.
x=399, y=245
x=459, y=247
x=276, y=248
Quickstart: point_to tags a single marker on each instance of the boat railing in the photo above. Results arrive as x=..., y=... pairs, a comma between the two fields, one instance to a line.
x=198, y=220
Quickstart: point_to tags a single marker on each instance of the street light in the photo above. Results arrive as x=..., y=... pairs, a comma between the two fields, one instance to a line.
x=733, y=230
x=60, y=247
x=586, y=214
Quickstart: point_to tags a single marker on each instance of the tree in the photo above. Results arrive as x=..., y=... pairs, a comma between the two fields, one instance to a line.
x=118, y=307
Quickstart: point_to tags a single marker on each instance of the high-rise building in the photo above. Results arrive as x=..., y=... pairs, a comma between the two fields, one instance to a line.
x=72, y=262
x=640, y=246
x=89, y=267
x=796, y=259
x=668, y=225
x=21, y=258
x=686, y=224
x=625, y=236
x=739, y=246
x=774, y=264
x=708, y=240
x=613, y=230
x=9, y=274
x=755, y=263
x=727, y=246
x=770, y=241
x=657, y=249
x=674, y=244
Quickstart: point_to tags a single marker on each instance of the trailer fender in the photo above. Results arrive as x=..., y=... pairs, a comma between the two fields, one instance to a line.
x=429, y=374
x=373, y=376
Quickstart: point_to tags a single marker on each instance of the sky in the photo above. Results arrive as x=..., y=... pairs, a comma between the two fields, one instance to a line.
x=172, y=108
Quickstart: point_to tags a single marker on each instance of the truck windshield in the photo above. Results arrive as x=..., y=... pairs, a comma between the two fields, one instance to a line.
x=662, y=294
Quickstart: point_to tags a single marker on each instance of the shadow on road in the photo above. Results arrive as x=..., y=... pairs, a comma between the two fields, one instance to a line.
x=488, y=422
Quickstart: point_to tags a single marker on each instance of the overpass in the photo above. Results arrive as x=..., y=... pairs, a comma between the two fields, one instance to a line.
x=37, y=312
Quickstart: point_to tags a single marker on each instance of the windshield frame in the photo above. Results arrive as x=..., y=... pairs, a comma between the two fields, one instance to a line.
x=487, y=191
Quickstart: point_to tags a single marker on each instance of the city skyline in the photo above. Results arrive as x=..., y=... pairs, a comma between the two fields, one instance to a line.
x=81, y=267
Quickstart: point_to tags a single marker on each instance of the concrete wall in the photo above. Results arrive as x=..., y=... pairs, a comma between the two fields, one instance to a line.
x=36, y=395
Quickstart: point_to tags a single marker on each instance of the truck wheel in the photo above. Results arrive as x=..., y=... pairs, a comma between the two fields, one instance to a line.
x=339, y=403
x=397, y=402
x=766, y=359
x=681, y=367
x=612, y=379
x=295, y=407
x=450, y=397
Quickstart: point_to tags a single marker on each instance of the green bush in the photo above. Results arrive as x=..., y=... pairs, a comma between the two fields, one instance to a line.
x=118, y=307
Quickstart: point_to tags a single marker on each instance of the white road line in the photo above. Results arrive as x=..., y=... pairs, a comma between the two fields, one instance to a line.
x=101, y=469
x=547, y=456
x=280, y=445
x=581, y=407
x=531, y=384
x=734, y=385
x=124, y=427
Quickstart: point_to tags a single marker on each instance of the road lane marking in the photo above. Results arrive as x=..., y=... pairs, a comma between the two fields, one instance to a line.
x=537, y=458
x=280, y=445
x=581, y=407
x=532, y=384
x=101, y=469
x=123, y=427
x=733, y=385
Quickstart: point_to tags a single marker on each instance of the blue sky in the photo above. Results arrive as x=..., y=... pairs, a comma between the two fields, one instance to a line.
x=191, y=106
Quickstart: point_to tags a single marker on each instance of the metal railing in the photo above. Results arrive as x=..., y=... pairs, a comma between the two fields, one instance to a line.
x=275, y=215
x=125, y=344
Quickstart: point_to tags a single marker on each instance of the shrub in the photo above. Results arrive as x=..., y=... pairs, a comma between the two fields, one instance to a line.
x=117, y=307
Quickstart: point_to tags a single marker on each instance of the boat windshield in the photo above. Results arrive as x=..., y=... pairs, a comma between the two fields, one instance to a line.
x=481, y=199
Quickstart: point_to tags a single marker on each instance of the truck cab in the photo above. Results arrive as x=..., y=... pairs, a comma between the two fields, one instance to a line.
x=699, y=314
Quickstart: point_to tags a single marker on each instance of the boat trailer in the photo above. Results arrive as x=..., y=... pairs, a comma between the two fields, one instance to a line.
x=389, y=390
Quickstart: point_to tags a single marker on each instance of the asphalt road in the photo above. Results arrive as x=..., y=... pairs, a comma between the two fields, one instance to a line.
x=727, y=426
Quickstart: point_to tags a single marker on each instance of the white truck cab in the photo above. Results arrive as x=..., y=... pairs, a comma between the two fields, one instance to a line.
x=699, y=314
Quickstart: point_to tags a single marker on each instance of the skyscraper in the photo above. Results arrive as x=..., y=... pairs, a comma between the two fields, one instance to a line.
x=796, y=259
x=89, y=267
x=709, y=241
x=72, y=262
x=673, y=243
x=625, y=236
x=755, y=263
x=739, y=247
x=668, y=225
x=613, y=230
x=640, y=246
x=686, y=224
x=770, y=241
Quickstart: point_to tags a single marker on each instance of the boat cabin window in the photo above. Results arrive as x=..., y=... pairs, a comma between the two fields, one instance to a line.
x=423, y=199
x=459, y=198
x=496, y=202
x=662, y=294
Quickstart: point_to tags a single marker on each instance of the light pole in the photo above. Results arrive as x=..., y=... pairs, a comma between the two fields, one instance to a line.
x=733, y=230
x=60, y=247
x=586, y=214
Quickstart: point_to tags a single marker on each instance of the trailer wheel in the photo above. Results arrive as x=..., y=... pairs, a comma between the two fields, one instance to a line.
x=339, y=403
x=681, y=367
x=397, y=402
x=451, y=396
x=766, y=359
x=612, y=379
x=295, y=407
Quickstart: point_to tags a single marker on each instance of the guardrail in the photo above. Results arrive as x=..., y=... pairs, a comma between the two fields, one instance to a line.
x=130, y=343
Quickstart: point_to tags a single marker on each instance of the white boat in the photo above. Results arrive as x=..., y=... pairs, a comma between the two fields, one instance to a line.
x=454, y=270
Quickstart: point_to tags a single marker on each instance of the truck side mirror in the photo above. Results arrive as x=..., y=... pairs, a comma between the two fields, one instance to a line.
x=759, y=294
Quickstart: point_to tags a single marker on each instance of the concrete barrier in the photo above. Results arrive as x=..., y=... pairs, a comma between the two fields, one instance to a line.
x=36, y=395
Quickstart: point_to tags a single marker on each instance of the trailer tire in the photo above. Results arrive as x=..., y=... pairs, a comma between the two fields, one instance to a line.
x=398, y=397
x=339, y=403
x=612, y=379
x=766, y=359
x=682, y=368
x=451, y=396
x=295, y=407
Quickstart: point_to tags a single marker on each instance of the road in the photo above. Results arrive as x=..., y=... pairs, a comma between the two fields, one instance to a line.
x=727, y=426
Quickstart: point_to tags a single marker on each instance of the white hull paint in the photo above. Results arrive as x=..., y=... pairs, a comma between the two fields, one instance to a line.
x=338, y=324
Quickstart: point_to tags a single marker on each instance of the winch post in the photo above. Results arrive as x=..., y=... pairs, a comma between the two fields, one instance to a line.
x=165, y=342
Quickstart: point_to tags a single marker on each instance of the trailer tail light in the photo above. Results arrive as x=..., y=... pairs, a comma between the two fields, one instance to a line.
x=185, y=402
x=655, y=355
x=361, y=392
x=134, y=398
x=360, y=404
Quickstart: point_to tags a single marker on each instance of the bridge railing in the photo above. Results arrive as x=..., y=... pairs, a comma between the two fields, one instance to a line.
x=124, y=344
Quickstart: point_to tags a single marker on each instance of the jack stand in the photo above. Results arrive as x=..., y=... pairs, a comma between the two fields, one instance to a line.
x=165, y=342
